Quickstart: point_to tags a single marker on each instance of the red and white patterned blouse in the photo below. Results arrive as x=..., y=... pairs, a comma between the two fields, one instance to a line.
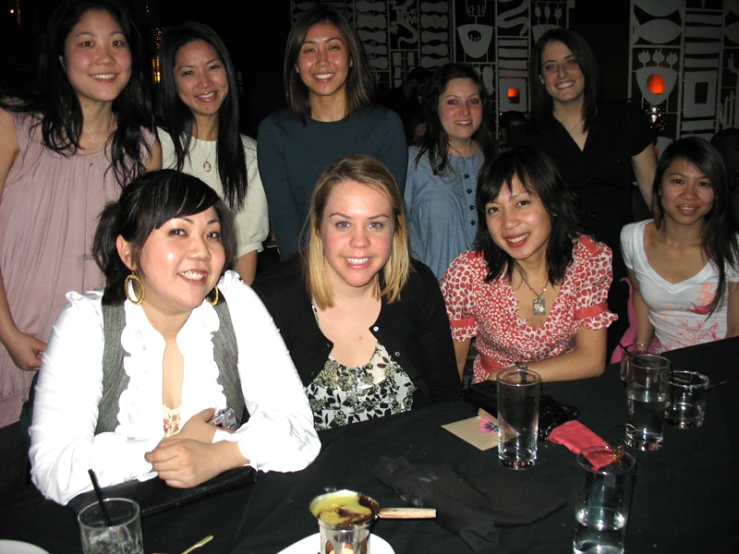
x=489, y=311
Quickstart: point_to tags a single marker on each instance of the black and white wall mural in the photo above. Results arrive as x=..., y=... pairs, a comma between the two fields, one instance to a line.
x=684, y=61
x=494, y=36
x=683, y=54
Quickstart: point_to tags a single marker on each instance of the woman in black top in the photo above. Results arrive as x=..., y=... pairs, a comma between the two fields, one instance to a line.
x=596, y=146
x=365, y=325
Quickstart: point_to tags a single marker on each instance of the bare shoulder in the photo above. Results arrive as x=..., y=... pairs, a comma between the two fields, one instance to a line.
x=8, y=145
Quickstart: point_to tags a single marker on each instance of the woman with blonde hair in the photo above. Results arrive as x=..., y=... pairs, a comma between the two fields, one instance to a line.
x=365, y=325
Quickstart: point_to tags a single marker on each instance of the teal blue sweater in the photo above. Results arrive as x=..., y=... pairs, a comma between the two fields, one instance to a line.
x=292, y=156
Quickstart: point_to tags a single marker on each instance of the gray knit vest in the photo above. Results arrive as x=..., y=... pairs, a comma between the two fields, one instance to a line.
x=115, y=380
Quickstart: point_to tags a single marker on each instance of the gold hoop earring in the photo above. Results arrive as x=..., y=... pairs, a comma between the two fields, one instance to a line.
x=136, y=281
x=215, y=300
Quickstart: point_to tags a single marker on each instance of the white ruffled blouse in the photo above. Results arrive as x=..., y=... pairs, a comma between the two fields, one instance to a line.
x=279, y=435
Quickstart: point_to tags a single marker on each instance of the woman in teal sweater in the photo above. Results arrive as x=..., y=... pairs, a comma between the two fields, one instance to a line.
x=332, y=114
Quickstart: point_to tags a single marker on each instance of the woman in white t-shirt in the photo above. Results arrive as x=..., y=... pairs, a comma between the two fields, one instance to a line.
x=684, y=264
x=201, y=117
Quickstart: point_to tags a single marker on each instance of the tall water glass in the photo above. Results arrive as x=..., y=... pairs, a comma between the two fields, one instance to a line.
x=604, y=492
x=120, y=535
x=518, y=417
x=647, y=389
x=632, y=351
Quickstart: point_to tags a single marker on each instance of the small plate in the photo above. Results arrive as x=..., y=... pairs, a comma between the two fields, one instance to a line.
x=312, y=544
x=16, y=547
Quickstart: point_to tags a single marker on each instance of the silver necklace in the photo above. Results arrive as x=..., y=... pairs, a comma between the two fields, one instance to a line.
x=540, y=305
x=206, y=164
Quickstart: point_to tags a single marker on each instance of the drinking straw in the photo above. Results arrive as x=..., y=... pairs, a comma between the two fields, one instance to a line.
x=99, y=494
x=626, y=350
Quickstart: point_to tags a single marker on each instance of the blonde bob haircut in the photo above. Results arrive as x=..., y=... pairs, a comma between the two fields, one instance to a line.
x=394, y=275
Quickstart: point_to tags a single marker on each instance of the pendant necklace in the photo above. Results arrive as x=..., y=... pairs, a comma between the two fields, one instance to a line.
x=540, y=305
x=206, y=164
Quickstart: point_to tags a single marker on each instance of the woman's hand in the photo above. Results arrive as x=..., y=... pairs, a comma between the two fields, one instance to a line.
x=494, y=375
x=25, y=350
x=197, y=427
x=186, y=463
x=183, y=462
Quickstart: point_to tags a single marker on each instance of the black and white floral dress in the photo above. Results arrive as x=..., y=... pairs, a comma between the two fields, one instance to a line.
x=340, y=395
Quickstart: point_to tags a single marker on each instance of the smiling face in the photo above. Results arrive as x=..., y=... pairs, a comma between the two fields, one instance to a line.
x=179, y=264
x=201, y=78
x=561, y=74
x=686, y=194
x=96, y=58
x=356, y=231
x=323, y=62
x=519, y=223
x=460, y=110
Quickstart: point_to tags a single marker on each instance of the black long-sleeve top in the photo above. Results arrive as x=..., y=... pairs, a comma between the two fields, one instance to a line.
x=414, y=330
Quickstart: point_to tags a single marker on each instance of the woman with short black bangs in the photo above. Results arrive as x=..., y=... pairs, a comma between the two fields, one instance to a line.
x=534, y=291
x=199, y=100
x=62, y=157
x=133, y=373
x=331, y=114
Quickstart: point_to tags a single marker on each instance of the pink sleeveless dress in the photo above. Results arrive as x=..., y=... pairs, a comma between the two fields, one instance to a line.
x=48, y=216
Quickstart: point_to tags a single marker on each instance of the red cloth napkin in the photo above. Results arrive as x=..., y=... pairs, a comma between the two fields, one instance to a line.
x=576, y=437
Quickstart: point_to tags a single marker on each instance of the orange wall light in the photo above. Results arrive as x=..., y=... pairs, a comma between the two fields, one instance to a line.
x=656, y=84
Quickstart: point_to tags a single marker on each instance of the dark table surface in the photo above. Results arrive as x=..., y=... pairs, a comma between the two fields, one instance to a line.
x=685, y=494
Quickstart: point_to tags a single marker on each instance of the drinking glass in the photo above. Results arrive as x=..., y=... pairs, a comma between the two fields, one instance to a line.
x=604, y=490
x=632, y=351
x=341, y=522
x=120, y=535
x=647, y=389
x=686, y=407
x=518, y=417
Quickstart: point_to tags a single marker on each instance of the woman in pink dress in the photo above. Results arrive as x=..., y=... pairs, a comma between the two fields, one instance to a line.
x=534, y=291
x=62, y=158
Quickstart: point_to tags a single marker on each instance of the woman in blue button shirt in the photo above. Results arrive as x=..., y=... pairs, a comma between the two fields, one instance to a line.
x=442, y=170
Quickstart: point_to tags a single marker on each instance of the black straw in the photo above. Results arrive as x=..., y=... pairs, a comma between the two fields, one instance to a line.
x=99, y=494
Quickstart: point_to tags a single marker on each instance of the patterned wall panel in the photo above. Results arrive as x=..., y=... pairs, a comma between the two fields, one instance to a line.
x=494, y=36
x=684, y=60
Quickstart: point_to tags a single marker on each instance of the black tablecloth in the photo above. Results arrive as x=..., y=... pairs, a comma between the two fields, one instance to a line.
x=685, y=495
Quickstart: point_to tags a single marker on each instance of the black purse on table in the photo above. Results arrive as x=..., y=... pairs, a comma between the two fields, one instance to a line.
x=552, y=414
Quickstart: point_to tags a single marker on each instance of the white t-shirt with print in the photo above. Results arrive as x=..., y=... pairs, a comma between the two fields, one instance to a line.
x=677, y=310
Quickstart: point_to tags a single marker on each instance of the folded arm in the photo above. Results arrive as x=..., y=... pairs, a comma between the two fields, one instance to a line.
x=63, y=441
x=279, y=435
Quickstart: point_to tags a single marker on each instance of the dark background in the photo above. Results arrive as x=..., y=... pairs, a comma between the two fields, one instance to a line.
x=256, y=41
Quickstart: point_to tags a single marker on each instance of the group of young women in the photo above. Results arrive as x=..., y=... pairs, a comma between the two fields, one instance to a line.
x=351, y=329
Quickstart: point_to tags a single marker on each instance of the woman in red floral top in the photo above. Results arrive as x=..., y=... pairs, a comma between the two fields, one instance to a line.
x=534, y=292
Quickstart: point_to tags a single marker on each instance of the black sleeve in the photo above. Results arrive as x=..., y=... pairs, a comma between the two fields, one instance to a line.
x=439, y=368
x=638, y=133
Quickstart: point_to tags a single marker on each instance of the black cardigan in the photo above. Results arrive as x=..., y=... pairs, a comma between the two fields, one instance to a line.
x=414, y=330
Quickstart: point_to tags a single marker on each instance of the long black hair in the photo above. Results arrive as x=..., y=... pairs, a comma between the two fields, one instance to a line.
x=539, y=176
x=144, y=205
x=179, y=120
x=435, y=141
x=360, y=83
x=58, y=106
x=542, y=105
x=718, y=239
